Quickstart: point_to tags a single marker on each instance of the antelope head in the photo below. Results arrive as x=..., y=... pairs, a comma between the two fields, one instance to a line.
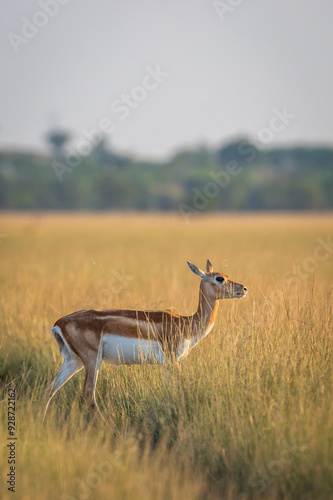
x=217, y=285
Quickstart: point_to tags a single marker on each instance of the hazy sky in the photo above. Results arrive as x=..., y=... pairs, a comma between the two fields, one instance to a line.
x=221, y=74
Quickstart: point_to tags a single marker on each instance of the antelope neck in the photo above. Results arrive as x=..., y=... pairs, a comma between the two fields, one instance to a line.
x=207, y=310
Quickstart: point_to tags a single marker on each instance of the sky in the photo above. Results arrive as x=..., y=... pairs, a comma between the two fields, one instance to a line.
x=156, y=77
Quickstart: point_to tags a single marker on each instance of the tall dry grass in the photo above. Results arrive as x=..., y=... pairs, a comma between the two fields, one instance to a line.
x=250, y=416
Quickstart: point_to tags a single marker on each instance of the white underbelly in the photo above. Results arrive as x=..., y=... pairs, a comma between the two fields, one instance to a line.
x=126, y=350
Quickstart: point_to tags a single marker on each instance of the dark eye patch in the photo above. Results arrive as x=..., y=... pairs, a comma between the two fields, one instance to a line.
x=220, y=279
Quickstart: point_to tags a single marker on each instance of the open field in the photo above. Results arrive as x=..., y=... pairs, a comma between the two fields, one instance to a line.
x=249, y=416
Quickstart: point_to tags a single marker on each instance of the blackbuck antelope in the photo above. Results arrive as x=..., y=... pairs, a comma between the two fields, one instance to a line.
x=86, y=338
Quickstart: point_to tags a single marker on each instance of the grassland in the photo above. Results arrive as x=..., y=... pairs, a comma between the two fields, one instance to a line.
x=249, y=416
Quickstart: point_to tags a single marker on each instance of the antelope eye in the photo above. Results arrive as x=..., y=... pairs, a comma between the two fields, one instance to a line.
x=220, y=279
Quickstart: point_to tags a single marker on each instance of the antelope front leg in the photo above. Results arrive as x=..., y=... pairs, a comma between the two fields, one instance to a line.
x=171, y=369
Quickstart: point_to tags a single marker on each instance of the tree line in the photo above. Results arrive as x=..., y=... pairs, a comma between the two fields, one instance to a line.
x=235, y=176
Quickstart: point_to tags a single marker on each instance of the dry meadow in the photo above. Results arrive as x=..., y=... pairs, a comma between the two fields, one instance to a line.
x=249, y=416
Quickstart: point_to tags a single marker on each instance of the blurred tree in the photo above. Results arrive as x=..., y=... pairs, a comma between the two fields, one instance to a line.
x=241, y=151
x=298, y=178
x=57, y=139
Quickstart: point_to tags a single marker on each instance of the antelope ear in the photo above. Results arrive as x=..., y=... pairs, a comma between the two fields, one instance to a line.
x=196, y=270
x=209, y=266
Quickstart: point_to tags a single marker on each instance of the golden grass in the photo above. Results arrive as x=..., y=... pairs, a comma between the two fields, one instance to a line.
x=250, y=416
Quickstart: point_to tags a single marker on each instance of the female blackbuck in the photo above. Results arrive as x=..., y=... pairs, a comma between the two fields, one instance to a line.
x=86, y=338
